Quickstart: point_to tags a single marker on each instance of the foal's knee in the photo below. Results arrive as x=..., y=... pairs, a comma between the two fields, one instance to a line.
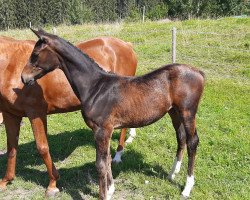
x=43, y=149
x=101, y=168
x=193, y=142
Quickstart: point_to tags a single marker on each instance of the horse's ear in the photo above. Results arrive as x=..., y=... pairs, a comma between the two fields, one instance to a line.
x=46, y=39
x=40, y=30
x=43, y=35
x=36, y=32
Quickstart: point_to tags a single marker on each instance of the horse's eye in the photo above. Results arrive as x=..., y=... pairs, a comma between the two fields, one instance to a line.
x=36, y=68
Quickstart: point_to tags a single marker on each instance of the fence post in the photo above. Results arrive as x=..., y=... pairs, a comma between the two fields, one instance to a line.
x=173, y=45
x=30, y=25
x=143, y=14
x=54, y=30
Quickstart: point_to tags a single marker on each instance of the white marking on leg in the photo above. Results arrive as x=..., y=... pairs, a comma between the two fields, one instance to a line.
x=175, y=169
x=51, y=192
x=111, y=191
x=117, y=158
x=188, y=187
x=132, y=134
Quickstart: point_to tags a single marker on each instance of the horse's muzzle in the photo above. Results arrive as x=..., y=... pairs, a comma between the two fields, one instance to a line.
x=27, y=81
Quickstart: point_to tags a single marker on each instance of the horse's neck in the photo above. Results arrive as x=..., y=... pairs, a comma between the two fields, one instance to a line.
x=81, y=71
x=82, y=76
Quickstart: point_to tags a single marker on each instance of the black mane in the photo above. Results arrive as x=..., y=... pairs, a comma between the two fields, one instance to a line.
x=73, y=49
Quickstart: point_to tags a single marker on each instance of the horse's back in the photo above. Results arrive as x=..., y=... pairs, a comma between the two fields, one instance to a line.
x=5, y=38
x=112, y=54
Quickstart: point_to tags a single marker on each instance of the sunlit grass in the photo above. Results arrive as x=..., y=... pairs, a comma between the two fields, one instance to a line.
x=218, y=47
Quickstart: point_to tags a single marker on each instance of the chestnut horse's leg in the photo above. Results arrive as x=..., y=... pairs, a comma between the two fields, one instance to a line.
x=192, y=143
x=181, y=141
x=12, y=125
x=1, y=118
x=39, y=126
x=103, y=163
x=132, y=134
x=121, y=145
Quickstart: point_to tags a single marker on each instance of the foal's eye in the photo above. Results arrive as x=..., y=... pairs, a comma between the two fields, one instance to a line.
x=36, y=68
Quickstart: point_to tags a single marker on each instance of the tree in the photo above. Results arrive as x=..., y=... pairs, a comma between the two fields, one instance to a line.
x=7, y=14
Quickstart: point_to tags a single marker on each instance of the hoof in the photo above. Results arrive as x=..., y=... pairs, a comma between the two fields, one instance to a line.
x=111, y=191
x=3, y=187
x=183, y=197
x=116, y=161
x=117, y=158
x=52, y=192
x=171, y=177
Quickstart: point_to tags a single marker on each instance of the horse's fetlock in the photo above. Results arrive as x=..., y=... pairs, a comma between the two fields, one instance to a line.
x=12, y=153
x=43, y=150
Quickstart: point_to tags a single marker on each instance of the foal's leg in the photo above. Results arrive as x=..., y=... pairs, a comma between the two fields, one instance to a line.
x=103, y=163
x=110, y=180
x=39, y=126
x=192, y=143
x=181, y=140
x=12, y=125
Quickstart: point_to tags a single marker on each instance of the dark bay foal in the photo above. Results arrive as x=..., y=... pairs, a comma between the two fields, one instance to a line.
x=110, y=101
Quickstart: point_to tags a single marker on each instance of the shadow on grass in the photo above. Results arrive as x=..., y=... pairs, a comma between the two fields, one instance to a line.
x=81, y=179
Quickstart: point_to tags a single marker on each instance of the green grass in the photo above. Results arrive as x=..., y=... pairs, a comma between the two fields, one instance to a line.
x=218, y=47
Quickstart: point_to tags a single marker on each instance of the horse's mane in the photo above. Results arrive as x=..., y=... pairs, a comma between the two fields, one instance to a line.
x=74, y=48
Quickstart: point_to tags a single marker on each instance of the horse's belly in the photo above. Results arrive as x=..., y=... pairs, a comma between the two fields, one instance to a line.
x=142, y=116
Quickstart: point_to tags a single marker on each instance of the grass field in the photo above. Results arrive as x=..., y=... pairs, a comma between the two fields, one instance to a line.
x=221, y=48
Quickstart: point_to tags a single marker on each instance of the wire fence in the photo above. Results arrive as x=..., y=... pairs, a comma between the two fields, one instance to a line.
x=218, y=54
x=216, y=50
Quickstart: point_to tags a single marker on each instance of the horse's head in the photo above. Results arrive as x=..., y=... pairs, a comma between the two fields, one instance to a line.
x=43, y=59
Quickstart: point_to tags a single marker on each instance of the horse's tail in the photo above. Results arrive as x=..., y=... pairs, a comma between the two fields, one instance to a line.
x=202, y=73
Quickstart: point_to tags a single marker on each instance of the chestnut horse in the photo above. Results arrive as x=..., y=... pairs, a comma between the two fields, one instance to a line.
x=52, y=94
x=111, y=101
x=1, y=118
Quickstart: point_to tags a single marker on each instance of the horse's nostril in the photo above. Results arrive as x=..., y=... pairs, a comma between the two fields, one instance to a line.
x=31, y=81
x=22, y=79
